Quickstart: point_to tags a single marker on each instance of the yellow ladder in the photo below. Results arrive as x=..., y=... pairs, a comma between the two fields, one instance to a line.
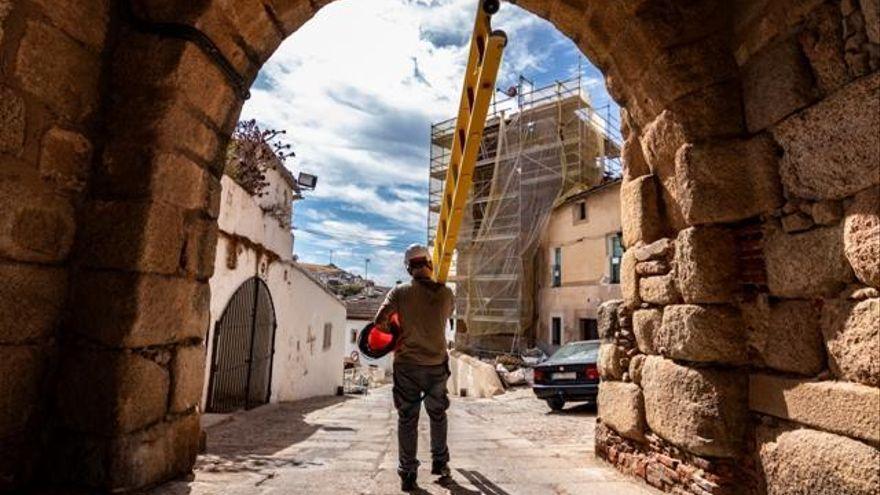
x=476, y=96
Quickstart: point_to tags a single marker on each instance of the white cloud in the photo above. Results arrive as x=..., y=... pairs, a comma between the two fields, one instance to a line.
x=349, y=94
x=357, y=88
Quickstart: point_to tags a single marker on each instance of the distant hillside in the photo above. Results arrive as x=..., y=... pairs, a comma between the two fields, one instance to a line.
x=344, y=284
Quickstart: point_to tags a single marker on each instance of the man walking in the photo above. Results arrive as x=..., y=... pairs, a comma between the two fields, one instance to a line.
x=421, y=364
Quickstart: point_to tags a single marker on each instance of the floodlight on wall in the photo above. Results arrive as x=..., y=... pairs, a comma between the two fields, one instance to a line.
x=307, y=181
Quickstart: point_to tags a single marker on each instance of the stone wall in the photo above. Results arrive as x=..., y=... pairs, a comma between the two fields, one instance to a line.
x=48, y=117
x=743, y=357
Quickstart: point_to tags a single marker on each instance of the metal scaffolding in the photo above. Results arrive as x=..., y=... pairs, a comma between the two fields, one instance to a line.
x=537, y=147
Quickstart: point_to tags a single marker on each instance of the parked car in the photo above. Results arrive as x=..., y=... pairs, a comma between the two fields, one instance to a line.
x=569, y=375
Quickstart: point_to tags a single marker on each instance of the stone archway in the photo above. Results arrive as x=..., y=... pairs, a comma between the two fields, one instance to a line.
x=111, y=151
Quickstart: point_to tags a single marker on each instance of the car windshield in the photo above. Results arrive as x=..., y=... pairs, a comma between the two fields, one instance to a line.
x=577, y=350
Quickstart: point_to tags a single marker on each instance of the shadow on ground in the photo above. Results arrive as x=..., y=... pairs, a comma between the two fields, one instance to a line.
x=482, y=484
x=268, y=430
x=585, y=409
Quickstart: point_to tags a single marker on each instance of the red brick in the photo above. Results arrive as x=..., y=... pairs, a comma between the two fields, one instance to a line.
x=667, y=461
x=654, y=475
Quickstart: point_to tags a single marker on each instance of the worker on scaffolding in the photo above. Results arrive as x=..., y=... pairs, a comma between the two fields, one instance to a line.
x=421, y=308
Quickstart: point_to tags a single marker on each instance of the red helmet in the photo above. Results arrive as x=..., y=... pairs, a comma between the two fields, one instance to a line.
x=376, y=342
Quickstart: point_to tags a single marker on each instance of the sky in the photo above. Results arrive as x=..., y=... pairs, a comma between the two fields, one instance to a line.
x=357, y=88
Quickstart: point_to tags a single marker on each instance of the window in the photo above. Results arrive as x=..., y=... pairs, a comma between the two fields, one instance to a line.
x=615, y=253
x=557, y=267
x=589, y=329
x=579, y=211
x=354, y=335
x=328, y=335
x=556, y=330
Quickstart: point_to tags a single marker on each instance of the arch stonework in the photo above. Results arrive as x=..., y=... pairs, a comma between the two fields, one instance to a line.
x=749, y=212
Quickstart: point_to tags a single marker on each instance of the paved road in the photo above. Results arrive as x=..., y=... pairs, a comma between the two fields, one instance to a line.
x=508, y=445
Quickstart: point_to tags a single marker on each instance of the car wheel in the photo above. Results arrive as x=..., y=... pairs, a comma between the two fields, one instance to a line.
x=556, y=403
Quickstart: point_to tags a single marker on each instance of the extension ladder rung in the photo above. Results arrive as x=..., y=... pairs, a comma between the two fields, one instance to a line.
x=484, y=60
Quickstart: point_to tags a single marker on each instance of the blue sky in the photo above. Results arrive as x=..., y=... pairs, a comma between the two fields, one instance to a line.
x=357, y=88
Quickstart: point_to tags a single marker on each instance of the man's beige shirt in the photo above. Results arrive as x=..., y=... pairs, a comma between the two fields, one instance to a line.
x=423, y=307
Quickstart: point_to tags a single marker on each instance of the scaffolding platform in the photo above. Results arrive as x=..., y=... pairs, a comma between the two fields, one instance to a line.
x=537, y=147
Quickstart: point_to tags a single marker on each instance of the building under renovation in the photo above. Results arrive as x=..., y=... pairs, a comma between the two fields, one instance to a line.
x=539, y=145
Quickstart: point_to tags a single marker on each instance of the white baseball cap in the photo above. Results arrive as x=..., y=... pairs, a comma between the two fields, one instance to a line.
x=415, y=251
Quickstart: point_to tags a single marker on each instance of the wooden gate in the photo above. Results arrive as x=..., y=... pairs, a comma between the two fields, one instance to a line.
x=244, y=343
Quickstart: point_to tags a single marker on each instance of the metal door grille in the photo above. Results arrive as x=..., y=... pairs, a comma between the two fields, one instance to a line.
x=244, y=343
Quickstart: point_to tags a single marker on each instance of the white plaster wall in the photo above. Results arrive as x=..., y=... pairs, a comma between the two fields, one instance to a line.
x=572, y=304
x=356, y=325
x=301, y=366
x=585, y=263
x=241, y=214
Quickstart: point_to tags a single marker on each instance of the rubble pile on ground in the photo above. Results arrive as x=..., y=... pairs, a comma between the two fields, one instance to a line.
x=517, y=370
x=471, y=377
x=358, y=379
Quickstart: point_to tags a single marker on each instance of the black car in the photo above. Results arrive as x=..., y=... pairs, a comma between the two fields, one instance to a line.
x=570, y=375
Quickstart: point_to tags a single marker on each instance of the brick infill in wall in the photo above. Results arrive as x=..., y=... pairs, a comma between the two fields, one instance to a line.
x=670, y=469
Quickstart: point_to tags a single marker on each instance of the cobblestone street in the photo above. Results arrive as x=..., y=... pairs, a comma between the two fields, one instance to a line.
x=509, y=445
